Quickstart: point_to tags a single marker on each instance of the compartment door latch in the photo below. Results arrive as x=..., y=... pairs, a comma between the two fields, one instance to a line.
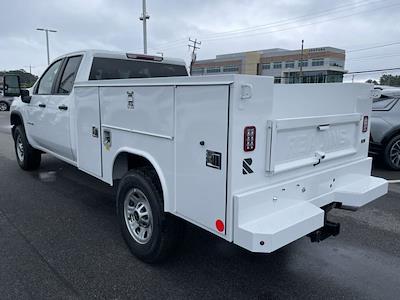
x=213, y=159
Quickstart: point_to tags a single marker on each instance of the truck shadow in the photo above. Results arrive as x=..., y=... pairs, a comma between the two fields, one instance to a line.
x=203, y=264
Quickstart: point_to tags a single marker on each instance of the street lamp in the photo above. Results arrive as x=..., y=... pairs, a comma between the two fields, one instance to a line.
x=144, y=19
x=47, y=40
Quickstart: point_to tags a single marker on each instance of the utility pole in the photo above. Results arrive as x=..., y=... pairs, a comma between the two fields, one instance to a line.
x=194, y=48
x=47, y=41
x=301, y=61
x=144, y=19
x=30, y=68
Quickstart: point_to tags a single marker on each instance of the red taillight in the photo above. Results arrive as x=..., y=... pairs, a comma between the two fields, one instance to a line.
x=365, y=124
x=249, y=140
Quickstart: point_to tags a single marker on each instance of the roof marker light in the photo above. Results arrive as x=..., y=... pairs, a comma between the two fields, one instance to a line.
x=144, y=57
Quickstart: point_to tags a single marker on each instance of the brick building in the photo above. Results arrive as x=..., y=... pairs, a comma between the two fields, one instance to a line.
x=324, y=64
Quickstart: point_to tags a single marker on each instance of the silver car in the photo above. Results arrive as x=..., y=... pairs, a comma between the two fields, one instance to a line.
x=385, y=127
x=5, y=102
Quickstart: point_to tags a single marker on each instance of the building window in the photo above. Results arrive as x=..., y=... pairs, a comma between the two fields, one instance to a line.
x=277, y=65
x=277, y=80
x=305, y=63
x=289, y=64
x=336, y=64
x=266, y=66
x=211, y=70
x=197, y=71
x=231, y=69
x=317, y=62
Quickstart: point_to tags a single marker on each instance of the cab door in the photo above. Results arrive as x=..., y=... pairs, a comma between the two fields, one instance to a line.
x=35, y=124
x=58, y=110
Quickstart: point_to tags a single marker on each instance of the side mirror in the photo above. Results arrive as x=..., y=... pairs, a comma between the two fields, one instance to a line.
x=11, y=86
x=25, y=97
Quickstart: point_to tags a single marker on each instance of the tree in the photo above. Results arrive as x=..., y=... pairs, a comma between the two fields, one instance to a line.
x=26, y=79
x=393, y=80
x=372, y=81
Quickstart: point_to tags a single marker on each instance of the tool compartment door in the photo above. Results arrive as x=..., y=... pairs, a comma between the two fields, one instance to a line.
x=311, y=141
x=88, y=135
x=201, y=154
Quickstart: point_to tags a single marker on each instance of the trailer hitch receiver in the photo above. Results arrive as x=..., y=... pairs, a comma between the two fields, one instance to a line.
x=329, y=228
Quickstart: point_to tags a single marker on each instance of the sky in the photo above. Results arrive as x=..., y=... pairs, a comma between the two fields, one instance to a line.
x=223, y=26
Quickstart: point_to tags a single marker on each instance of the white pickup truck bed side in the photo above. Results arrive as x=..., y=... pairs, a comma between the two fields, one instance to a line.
x=280, y=200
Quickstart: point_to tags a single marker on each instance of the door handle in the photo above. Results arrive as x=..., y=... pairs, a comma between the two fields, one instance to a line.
x=63, y=107
x=42, y=105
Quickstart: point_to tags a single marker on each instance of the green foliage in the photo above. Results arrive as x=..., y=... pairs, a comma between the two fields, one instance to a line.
x=26, y=79
x=393, y=80
x=372, y=81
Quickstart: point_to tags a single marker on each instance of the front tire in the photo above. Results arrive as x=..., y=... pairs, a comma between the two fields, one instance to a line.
x=28, y=158
x=150, y=233
x=391, y=154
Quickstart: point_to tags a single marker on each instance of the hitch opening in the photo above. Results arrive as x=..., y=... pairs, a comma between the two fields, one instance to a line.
x=329, y=228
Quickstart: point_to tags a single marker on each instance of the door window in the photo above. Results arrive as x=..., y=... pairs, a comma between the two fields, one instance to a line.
x=47, y=80
x=68, y=77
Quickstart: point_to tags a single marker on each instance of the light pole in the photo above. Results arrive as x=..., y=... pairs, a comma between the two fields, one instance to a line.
x=144, y=18
x=301, y=61
x=47, y=40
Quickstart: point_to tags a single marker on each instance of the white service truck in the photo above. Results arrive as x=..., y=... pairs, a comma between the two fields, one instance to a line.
x=257, y=164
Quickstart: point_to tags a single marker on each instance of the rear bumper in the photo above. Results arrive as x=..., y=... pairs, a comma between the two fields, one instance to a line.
x=269, y=218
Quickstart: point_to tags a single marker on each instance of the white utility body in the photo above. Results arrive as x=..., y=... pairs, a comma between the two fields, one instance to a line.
x=251, y=161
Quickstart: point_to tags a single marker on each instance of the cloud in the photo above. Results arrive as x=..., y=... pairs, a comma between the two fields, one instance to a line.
x=114, y=25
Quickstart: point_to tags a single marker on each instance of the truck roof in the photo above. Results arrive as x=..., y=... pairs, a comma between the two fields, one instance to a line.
x=121, y=55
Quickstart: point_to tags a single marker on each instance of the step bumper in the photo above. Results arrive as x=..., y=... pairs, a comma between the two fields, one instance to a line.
x=265, y=223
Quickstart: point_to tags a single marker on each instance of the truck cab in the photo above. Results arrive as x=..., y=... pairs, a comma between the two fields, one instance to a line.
x=52, y=105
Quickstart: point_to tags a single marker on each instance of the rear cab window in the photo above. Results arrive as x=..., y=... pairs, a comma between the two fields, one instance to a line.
x=69, y=73
x=114, y=68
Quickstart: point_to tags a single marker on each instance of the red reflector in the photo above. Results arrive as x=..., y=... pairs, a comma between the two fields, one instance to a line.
x=365, y=124
x=220, y=225
x=249, y=138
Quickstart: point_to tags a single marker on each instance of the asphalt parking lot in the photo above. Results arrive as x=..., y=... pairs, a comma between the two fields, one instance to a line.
x=59, y=238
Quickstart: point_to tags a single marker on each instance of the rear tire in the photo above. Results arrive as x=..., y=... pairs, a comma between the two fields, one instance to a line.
x=150, y=233
x=391, y=154
x=28, y=158
x=4, y=106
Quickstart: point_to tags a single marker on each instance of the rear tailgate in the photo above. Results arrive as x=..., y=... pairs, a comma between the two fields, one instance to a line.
x=311, y=150
x=293, y=143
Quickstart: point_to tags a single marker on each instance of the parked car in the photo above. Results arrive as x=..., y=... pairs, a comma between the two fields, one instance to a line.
x=385, y=127
x=256, y=163
x=5, y=102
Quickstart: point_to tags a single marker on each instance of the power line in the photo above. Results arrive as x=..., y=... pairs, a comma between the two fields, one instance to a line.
x=330, y=11
x=307, y=24
x=373, y=71
x=288, y=23
x=374, y=47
